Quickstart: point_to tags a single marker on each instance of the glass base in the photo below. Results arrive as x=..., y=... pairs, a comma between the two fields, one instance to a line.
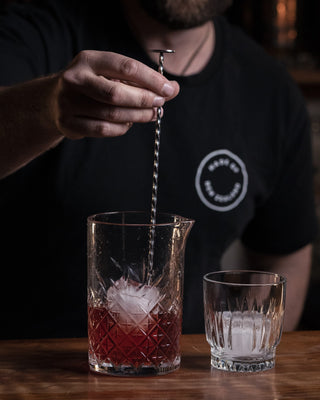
x=129, y=370
x=239, y=365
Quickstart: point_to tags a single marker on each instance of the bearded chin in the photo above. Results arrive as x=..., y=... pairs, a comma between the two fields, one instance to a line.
x=184, y=14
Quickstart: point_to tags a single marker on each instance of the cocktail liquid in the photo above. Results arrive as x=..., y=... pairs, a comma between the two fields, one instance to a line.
x=135, y=341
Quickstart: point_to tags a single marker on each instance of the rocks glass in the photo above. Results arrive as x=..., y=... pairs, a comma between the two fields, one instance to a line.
x=243, y=313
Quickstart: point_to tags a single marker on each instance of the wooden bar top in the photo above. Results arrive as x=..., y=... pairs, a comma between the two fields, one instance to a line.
x=54, y=369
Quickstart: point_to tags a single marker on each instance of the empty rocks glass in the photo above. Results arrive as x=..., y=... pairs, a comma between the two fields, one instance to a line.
x=243, y=313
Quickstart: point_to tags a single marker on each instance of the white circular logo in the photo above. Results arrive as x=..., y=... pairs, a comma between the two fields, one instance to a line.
x=221, y=180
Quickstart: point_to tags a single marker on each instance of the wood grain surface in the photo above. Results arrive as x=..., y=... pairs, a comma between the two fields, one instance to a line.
x=54, y=369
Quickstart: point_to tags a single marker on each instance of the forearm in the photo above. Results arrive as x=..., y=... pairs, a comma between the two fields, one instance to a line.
x=296, y=267
x=27, y=127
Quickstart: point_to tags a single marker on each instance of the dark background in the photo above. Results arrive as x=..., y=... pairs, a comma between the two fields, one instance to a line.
x=302, y=59
x=257, y=19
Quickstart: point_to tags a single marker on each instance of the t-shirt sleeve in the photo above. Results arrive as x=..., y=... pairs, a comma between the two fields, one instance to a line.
x=35, y=40
x=287, y=221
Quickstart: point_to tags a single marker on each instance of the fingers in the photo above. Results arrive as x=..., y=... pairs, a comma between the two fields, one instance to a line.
x=81, y=116
x=76, y=128
x=83, y=106
x=116, y=79
x=117, y=93
x=120, y=115
x=117, y=66
x=101, y=94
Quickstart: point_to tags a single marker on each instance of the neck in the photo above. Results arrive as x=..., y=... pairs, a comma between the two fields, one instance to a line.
x=153, y=35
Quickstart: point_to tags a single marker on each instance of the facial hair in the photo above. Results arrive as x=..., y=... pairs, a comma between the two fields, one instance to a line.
x=184, y=14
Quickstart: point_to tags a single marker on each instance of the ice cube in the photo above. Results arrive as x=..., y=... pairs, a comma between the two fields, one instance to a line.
x=130, y=298
x=245, y=332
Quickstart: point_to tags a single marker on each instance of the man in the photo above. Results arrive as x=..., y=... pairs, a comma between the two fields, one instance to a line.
x=235, y=151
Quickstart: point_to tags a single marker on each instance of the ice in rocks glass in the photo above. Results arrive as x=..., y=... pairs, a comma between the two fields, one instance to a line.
x=243, y=313
x=134, y=312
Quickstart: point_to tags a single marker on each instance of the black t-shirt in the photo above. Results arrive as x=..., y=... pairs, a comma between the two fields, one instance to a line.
x=235, y=156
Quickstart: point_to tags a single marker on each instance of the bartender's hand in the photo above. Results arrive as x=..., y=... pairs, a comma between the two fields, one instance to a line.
x=101, y=94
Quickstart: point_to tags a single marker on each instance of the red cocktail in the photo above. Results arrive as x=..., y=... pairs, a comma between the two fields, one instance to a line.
x=137, y=341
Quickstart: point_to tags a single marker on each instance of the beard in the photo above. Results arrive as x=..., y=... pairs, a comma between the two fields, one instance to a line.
x=184, y=14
